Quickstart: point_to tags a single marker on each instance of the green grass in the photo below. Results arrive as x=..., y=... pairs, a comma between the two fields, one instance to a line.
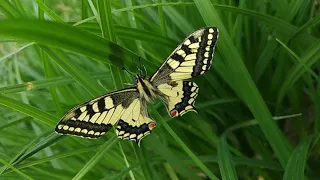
x=258, y=105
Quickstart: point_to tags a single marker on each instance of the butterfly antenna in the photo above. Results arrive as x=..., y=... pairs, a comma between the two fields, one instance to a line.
x=145, y=70
x=128, y=72
x=140, y=69
x=140, y=66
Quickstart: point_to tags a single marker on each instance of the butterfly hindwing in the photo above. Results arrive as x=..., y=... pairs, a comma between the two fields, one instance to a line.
x=191, y=58
x=96, y=117
x=135, y=123
x=179, y=96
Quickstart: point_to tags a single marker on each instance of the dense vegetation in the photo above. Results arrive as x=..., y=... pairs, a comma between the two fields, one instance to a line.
x=258, y=106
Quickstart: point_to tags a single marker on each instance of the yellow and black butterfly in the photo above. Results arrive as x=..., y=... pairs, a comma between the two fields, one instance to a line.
x=128, y=107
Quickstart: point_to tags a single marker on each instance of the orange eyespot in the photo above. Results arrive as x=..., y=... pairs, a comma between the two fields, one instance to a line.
x=152, y=125
x=174, y=113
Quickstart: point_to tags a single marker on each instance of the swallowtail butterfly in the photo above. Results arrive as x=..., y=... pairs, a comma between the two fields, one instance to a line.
x=128, y=107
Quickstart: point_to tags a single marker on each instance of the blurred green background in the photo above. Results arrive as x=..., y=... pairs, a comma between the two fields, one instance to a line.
x=258, y=106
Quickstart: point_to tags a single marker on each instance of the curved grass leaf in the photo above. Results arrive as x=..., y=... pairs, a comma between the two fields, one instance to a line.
x=244, y=86
x=136, y=34
x=309, y=58
x=264, y=59
x=14, y=122
x=124, y=172
x=225, y=161
x=8, y=9
x=20, y=154
x=44, y=143
x=308, y=24
x=78, y=74
x=28, y=110
x=296, y=164
x=48, y=11
x=94, y=160
x=66, y=37
x=152, y=5
x=240, y=161
x=185, y=148
x=171, y=158
x=51, y=82
x=15, y=169
x=298, y=59
x=16, y=51
x=226, y=166
x=214, y=102
x=54, y=157
x=272, y=21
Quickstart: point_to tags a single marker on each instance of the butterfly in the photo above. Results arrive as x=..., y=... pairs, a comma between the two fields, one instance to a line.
x=128, y=107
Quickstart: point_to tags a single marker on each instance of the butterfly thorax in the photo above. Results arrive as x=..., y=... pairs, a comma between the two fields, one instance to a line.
x=146, y=89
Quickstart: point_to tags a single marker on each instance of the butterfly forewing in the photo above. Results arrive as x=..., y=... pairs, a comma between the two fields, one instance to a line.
x=191, y=58
x=96, y=117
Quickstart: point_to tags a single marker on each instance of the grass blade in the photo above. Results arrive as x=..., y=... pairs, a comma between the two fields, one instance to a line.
x=78, y=74
x=94, y=160
x=226, y=166
x=28, y=110
x=186, y=149
x=15, y=169
x=296, y=164
x=307, y=60
x=244, y=85
x=66, y=37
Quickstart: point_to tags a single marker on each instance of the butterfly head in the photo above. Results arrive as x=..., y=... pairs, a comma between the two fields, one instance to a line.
x=140, y=77
x=142, y=82
x=145, y=88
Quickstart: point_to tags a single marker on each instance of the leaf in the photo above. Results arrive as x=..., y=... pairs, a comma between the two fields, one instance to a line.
x=297, y=161
x=66, y=37
x=95, y=159
x=243, y=84
x=29, y=110
x=309, y=58
x=186, y=149
x=226, y=166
